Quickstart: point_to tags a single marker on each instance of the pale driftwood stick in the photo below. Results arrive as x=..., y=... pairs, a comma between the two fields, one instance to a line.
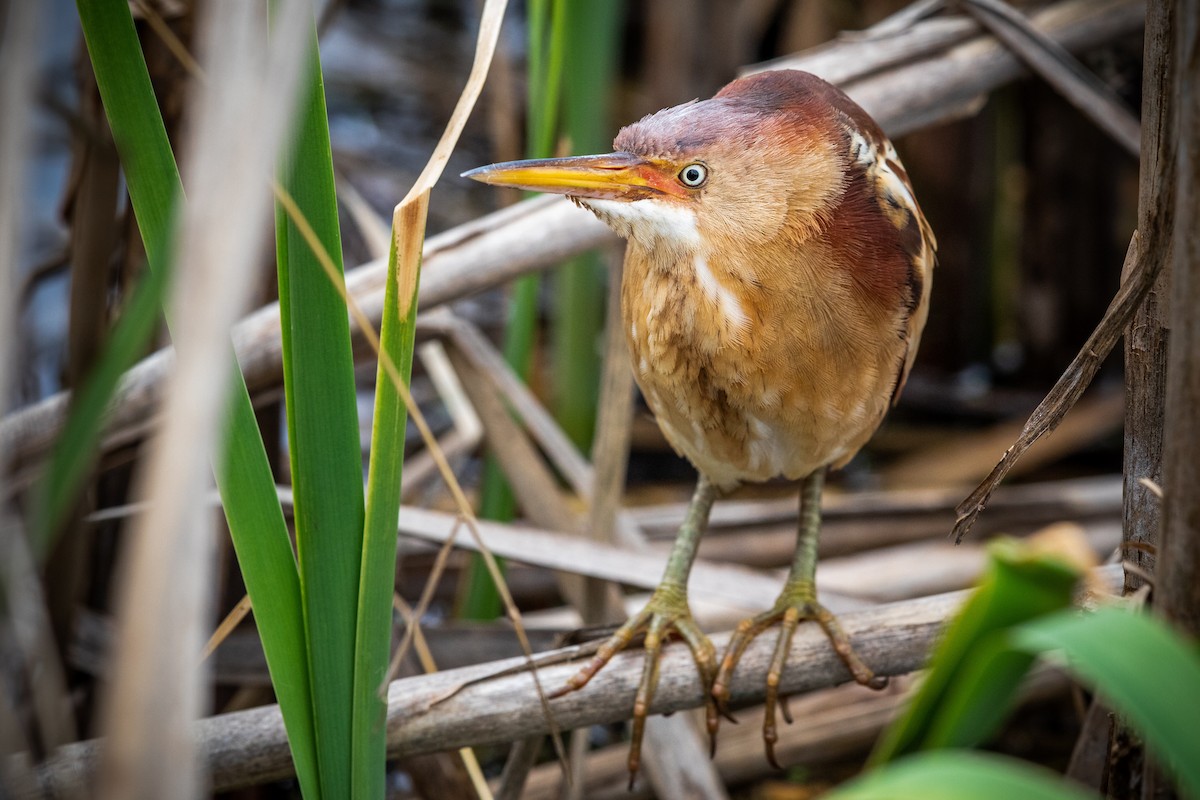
x=895, y=41
x=676, y=760
x=887, y=575
x=521, y=759
x=490, y=703
x=538, y=234
x=1140, y=276
x=771, y=547
x=735, y=585
x=420, y=469
x=1146, y=336
x=1068, y=498
x=966, y=458
x=1059, y=69
x=943, y=85
x=482, y=358
x=905, y=18
x=830, y=724
x=532, y=482
x=1177, y=593
x=36, y=659
x=250, y=747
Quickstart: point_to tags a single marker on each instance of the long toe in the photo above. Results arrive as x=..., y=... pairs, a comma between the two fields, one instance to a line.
x=666, y=612
x=790, y=610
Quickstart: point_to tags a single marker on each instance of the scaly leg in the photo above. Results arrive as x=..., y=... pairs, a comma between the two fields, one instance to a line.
x=797, y=601
x=667, y=610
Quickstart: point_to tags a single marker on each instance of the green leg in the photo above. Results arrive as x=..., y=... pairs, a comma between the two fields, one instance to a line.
x=667, y=610
x=797, y=602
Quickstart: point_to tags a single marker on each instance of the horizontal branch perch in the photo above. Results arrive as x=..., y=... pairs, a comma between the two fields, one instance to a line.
x=496, y=703
x=949, y=79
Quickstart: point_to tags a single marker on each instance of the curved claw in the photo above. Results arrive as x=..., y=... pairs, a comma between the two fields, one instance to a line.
x=788, y=613
x=661, y=615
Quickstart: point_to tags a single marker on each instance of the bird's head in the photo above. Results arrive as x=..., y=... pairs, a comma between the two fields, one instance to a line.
x=764, y=158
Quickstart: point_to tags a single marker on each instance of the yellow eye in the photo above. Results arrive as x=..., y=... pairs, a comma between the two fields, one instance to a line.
x=693, y=176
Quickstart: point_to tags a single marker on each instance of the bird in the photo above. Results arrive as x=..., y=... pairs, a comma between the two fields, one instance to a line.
x=775, y=287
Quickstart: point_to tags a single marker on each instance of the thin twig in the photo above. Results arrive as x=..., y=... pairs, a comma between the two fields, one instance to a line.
x=1140, y=275
x=413, y=627
x=231, y=621
x=412, y=621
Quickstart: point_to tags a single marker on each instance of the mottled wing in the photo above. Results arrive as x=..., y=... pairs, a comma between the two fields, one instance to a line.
x=874, y=154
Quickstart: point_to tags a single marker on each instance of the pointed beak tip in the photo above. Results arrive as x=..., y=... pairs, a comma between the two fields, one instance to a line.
x=473, y=174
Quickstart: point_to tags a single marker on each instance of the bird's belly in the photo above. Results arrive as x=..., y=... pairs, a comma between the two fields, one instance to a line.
x=769, y=407
x=748, y=441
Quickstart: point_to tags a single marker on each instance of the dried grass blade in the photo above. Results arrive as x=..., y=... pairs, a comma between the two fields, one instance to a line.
x=485, y=48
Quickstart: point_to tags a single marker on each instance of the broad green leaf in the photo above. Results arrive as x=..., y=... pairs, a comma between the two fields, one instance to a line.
x=322, y=417
x=77, y=448
x=397, y=335
x=967, y=690
x=1147, y=671
x=243, y=475
x=959, y=775
x=153, y=183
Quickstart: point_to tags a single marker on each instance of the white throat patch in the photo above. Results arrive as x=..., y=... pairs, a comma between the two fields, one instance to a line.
x=651, y=223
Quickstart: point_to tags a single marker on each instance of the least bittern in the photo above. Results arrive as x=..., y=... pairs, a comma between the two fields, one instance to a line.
x=776, y=283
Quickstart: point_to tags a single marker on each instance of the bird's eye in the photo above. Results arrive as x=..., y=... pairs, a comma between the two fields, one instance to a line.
x=693, y=176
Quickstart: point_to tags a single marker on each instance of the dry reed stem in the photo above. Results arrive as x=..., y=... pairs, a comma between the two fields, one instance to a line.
x=17, y=81
x=239, y=125
x=227, y=625
x=566, y=458
x=413, y=629
x=25, y=606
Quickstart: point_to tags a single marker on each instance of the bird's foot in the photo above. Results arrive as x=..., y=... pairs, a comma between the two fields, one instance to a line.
x=667, y=611
x=795, y=604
